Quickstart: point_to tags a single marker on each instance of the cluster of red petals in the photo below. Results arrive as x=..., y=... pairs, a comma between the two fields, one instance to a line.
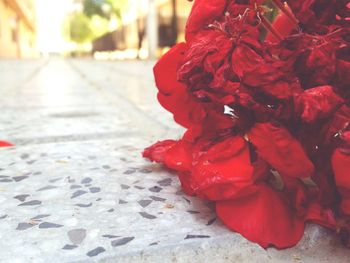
x=268, y=123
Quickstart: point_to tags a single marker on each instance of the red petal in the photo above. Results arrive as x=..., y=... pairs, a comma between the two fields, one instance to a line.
x=203, y=13
x=317, y=103
x=173, y=95
x=223, y=170
x=341, y=168
x=339, y=121
x=185, y=179
x=165, y=71
x=179, y=157
x=157, y=151
x=245, y=59
x=6, y=144
x=263, y=217
x=321, y=216
x=343, y=72
x=284, y=153
x=306, y=202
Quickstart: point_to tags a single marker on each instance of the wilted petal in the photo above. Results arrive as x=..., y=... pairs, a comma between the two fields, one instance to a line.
x=264, y=217
x=283, y=152
x=203, y=13
x=223, y=169
x=317, y=103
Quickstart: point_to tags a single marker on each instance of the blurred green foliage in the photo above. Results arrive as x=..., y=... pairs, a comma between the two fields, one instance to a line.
x=107, y=9
x=93, y=20
x=78, y=28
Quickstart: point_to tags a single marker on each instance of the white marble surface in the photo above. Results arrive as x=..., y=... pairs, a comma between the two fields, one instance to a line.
x=76, y=189
x=61, y=201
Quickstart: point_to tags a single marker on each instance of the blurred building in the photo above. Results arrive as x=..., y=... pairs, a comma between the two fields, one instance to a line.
x=171, y=16
x=17, y=28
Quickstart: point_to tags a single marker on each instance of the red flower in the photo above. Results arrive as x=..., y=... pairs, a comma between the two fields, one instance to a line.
x=268, y=121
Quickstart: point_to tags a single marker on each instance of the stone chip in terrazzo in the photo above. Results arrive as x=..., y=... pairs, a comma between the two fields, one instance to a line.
x=5, y=180
x=76, y=236
x=130, y=171
x=144, y=203
x=211, y=221
x=154, y=244
x=19, y=178
x=122, y=241
x=155, y=189
x=21, y=198
x=156, y=198
x=51, y=180
x=187, y=200
x=96, y=251
x=165, y=182
x=86, y=180
x=94, y=190
x=30, y=203
x=78, y=193
x=84, y=205
x=49, y=225
x=69, y=247
x=192, y=212
x=48, y=187
x=24, y=156
x=147, y=215
x=24, y=226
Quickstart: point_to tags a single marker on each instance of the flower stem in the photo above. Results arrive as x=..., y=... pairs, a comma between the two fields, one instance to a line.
x=269, y=27
x=286, y=10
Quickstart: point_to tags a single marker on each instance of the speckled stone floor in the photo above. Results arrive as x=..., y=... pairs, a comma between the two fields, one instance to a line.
x=76, y=189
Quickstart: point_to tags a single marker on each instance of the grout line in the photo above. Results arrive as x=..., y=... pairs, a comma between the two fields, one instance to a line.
x=139, y=116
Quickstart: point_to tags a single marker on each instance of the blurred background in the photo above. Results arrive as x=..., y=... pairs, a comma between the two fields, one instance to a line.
x=102, y=29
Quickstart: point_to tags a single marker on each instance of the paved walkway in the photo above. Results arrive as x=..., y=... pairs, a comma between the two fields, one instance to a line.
x=75, y=189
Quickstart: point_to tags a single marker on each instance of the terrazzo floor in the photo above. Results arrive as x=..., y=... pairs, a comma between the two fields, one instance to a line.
x=76, y=189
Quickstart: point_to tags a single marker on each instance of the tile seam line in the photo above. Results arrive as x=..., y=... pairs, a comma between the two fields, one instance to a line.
x=34, y=73
x=68, y=138
x=120, y=98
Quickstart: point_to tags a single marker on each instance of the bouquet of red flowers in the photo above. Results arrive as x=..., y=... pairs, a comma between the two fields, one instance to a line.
x=266, y=105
